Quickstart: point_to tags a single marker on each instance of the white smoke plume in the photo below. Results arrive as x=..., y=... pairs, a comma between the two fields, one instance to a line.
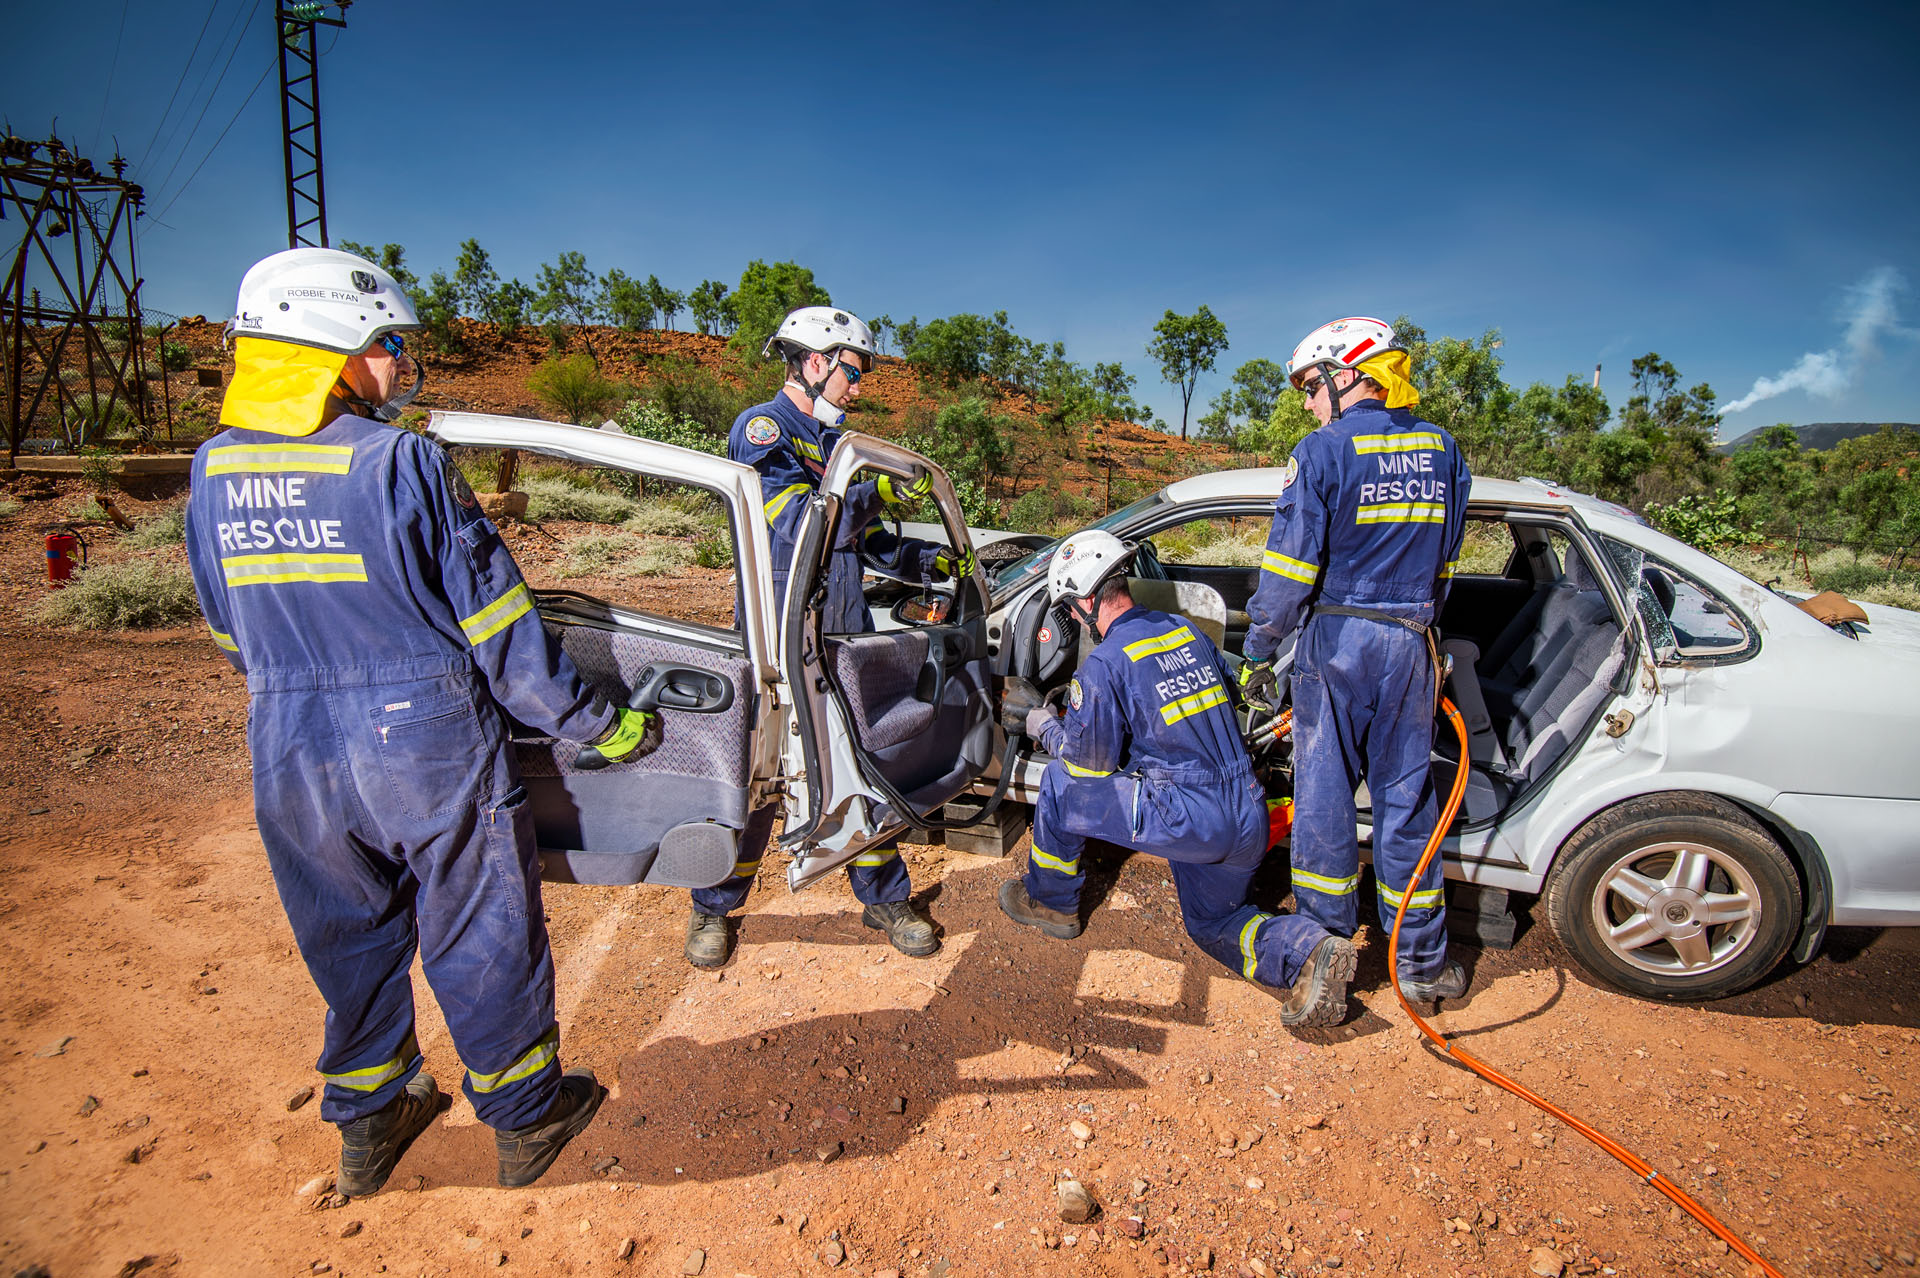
x=1872, y=311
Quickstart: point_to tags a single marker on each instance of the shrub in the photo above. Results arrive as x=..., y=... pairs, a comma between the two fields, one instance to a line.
x=649, y=420
x=551, y=498
x=1048, y=509
x=8, y=506
x=168, y=528
x=1700, y=522
x=133, y=595
x=574, y=387
x=621, y=555
x=684, y=389
x=663, y=517
x=175, y=356
x=97, y=467
x=713, y=550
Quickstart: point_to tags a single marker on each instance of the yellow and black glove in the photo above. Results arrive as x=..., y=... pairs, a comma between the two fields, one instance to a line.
x=634, y=733
x=1258, y=687
x=898, y=492
x=948, y=566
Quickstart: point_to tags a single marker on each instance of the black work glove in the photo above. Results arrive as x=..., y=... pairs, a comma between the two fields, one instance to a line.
x=1019, y=699
x=1258, y=687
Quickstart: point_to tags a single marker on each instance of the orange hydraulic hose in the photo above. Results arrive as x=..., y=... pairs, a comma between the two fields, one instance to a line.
x=1633, y=1161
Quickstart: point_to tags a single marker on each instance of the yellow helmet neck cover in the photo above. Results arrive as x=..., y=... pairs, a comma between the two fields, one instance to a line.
x=279, y=387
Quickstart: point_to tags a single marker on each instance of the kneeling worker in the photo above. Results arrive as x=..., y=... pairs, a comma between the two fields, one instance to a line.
x=344, y=566
x=1149, y=757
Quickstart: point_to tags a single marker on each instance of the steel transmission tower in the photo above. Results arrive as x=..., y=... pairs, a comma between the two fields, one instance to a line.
x=294, y=24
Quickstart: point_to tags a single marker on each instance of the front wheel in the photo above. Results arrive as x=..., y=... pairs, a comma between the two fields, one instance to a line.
x=1674, y=896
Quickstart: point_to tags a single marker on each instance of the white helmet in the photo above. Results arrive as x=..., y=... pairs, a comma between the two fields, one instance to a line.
x=1083, y=562
x=320, y=297
x=1345, y=343
x=820, y=329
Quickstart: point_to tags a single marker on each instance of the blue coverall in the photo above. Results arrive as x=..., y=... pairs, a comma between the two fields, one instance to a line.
x=1149, y=757
x=790, y=449
x=386, y=634
x=1373, y=519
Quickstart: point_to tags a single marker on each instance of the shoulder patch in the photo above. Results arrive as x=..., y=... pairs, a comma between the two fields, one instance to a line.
x=457, y=482
x=1074, y=695
x=1289, y=473
x=762, y=430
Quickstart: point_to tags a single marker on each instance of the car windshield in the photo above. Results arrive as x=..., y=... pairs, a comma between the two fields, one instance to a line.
x=1020, y=570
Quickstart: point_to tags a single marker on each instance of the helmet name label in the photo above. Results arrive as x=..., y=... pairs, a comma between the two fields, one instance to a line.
x=323, y=295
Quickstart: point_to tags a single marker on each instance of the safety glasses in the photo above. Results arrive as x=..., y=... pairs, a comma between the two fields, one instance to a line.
x=849, y=371
x=395, y=344
x=1310, y=386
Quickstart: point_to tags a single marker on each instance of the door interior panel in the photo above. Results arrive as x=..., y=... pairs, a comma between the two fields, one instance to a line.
x=671, y=816
x=919, y=705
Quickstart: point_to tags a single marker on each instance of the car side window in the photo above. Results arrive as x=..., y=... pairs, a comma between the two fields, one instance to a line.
x=1487, y=548
x=1703, y=624
x=641, y=544
x=1225, y=541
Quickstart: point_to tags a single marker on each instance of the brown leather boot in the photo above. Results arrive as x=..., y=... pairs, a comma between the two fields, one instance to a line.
x=1024, y=910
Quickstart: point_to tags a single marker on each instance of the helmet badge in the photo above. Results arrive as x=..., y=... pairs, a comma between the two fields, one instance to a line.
x=365, y=283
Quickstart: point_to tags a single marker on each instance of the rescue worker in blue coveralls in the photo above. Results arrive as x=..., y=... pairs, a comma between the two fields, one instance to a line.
x=826, y=350
x=344, y=566
x=1365, y=538
x=1147, y=757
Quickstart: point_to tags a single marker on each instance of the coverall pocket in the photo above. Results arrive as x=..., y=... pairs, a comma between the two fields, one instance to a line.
x=509, y=830
x=432, y=751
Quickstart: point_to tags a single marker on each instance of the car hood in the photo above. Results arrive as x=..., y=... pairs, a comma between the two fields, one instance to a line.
x=1893, y=630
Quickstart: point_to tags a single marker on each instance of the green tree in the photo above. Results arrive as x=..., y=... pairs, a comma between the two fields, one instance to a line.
x=574, y=387
x=566, y=292
x=510, y=306
x=1186, y=346
x=968, y=439
x=1288, y=424
x=390, y=258
x=765, y=295
x=881, y=327
x=1678, y=426
x=1244, y=408
x=437, y=304
x=628, y=302
x=474, y=279
x=666, y=302
x=954, y=350
x=712, y=308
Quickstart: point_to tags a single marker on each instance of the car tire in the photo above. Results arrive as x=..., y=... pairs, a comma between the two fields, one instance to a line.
x=1679, y=897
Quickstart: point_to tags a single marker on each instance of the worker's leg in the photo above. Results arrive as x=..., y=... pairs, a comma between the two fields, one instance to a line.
x=1400, y=779
x=1331, y=707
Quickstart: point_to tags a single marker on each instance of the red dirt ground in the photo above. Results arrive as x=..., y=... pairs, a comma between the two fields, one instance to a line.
x=752, y=1115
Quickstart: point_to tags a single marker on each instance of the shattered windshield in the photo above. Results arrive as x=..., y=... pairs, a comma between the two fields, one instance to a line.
x=1018, y=572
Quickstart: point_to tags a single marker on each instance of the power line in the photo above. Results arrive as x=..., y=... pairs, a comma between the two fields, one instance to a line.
x=217, y=141
x=186, y=145
x=184, y=72
x=112, y=67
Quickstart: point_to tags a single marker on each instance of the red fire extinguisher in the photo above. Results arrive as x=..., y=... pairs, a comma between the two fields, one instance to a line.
x=60, y=549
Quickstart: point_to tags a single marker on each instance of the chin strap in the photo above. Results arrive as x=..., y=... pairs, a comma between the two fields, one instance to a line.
x=1088, y=617
x=391, y=410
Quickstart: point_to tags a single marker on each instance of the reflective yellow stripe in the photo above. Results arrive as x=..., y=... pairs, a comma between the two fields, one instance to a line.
x=871, y=859
x=224, y=641
x=498, y=615
x=1186, y=707
x=1401, y=512
x=746, y=869
x=1321, y=883
x=1287, y=566
x=1048, y=861
x=1415, y=442
x=374, y=1077
x=319, y=459
x=1159, y=643
x=538, y=1057
x=1424, y=899
x=805, y=449
x=1449, y=570
x=269, y=570
x=779, y=503
x=1247, y=937
x=1074, y=769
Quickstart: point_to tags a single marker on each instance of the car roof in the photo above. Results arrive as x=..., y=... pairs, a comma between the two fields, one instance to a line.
x=1268, y=481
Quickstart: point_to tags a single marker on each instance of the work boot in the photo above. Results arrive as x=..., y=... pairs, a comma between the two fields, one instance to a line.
x=527, y=1152
x=709, y=939
x=1319, y=994
x=370, y=1146
x=910, y=934
x=1450, y=982
x=1024, y=910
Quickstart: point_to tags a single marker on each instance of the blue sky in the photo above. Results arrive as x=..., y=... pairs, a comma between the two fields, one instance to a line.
x=1732, y=186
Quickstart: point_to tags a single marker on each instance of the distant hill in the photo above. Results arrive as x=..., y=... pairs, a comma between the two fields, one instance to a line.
x=1820, y=435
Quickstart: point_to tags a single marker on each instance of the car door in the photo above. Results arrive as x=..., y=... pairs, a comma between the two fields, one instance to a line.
x=673, y=816
x=891, y=724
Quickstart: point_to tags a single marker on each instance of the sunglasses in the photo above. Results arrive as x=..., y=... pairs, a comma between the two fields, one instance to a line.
x=395, y=344
x=849, y=371
x=1310, y=386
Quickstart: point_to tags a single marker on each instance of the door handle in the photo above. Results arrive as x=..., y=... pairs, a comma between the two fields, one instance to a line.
x=685, y=688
